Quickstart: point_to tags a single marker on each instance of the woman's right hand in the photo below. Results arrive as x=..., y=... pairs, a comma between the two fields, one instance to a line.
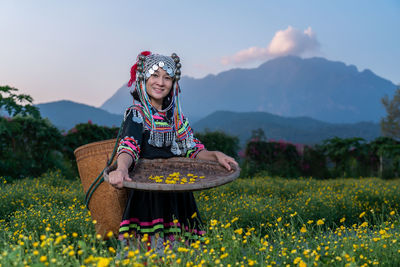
x=117, y=177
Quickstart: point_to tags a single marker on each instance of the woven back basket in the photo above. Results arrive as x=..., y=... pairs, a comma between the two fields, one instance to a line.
x=107, y=203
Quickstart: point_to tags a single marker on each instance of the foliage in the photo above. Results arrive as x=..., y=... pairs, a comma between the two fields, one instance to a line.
x=85, y=133
x=28, y=146
x=313, y=162
x=17, y=104
x=390, y=125
x=257, y=222
x=276, y=158
x=220, y=141
x=343, y=150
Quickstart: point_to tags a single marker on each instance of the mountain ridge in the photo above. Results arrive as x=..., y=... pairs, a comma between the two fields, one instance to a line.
x=289, y=86
x=66, y=114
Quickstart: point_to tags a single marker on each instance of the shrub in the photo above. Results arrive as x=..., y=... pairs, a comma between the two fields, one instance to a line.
x=274, y=158
x=85, y=133
x=220, y=141
x=28, y=146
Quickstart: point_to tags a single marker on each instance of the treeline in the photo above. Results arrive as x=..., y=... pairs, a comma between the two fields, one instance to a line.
x=335, y=157
x=31, y=145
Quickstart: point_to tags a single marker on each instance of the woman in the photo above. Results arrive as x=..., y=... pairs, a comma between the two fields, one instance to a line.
x=155, y=128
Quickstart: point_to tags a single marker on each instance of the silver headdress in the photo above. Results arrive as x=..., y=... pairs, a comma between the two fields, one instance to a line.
x=182, y=138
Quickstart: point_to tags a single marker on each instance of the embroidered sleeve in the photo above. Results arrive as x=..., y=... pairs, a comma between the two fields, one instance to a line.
x=132, y=134
x=192, y=152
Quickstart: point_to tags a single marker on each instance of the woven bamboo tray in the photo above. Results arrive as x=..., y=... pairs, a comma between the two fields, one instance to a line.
x=203, y=174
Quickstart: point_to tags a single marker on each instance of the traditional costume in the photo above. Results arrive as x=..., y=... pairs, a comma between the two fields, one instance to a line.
x=150, y=133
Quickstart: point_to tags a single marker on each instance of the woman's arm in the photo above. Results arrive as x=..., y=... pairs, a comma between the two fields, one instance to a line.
x=128, y=148
x=217, y=156
x=121, y=174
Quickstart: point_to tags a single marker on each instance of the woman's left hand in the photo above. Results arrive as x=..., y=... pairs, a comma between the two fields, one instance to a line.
x=225, y=160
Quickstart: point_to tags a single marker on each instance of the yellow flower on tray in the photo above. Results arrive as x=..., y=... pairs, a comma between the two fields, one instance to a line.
x=175, y=178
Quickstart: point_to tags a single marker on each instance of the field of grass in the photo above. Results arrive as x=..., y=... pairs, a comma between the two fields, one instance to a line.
x=261, y=221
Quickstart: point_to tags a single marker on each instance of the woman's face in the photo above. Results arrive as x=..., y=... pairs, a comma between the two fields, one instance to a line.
x=158, y=86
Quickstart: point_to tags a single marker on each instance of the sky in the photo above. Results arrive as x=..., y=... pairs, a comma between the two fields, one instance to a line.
x=83, y=50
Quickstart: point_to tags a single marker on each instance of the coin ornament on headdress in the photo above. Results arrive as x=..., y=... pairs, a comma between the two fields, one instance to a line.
x=148, y=63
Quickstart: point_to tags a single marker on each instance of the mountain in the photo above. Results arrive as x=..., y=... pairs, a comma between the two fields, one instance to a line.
x=288, y=86
x=302, y=130
x=66, y=114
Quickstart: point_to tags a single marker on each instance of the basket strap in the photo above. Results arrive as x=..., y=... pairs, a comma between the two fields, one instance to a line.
x=100, y=178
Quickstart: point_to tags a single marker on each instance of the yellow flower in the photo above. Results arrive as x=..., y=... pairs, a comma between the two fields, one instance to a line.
x=43, y=258
x=310, y=221
x=342, y=220
x=362, y=214
x=35, y=252
x=103, y=262
x=251, y=262
x=194, y=215
x=392, y=213
x=320, y=222
x=110, y=234
x=303, y=229
x=279, y=219
x=74, y=234
x=181, y=249
x=239, y=231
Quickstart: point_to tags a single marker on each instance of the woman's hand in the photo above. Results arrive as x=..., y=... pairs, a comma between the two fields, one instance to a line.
x=224, y=160
x=117, y=177
x=218, y=156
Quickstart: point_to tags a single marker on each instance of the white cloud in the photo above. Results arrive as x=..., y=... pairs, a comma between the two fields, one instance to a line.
x=285, y=42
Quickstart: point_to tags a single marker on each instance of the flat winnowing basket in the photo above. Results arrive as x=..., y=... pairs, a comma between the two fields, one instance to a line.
x=177, y=174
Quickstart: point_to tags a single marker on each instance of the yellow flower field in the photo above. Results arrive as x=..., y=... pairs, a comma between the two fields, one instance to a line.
x=261, y=221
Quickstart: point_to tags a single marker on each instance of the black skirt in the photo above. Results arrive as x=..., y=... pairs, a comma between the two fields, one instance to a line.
x=167, y=214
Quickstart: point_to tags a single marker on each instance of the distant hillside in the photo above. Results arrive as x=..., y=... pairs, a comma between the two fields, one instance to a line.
x=297, y=130
x=66, y=114
x=287, y=86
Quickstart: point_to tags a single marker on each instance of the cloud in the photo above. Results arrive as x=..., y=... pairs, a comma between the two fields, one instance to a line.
x=285, y=42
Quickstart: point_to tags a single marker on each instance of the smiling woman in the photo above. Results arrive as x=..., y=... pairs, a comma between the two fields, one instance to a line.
x=158, y=87
x=154, y=127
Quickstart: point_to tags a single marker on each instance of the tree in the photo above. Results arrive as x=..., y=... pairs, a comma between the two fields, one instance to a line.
x=340, y=151
x=390, y=125
x=220, y=141
x=29, y=144
x=17, y=104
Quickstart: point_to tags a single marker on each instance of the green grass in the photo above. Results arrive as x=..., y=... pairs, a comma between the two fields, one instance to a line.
x=261, y=221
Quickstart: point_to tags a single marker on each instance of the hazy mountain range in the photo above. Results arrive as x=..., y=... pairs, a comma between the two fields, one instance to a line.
x=66, y=114
x=287, y=86
x=299, y=100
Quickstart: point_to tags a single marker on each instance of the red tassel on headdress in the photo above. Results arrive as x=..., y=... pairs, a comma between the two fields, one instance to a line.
x=145, y=53
x=134, y=68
